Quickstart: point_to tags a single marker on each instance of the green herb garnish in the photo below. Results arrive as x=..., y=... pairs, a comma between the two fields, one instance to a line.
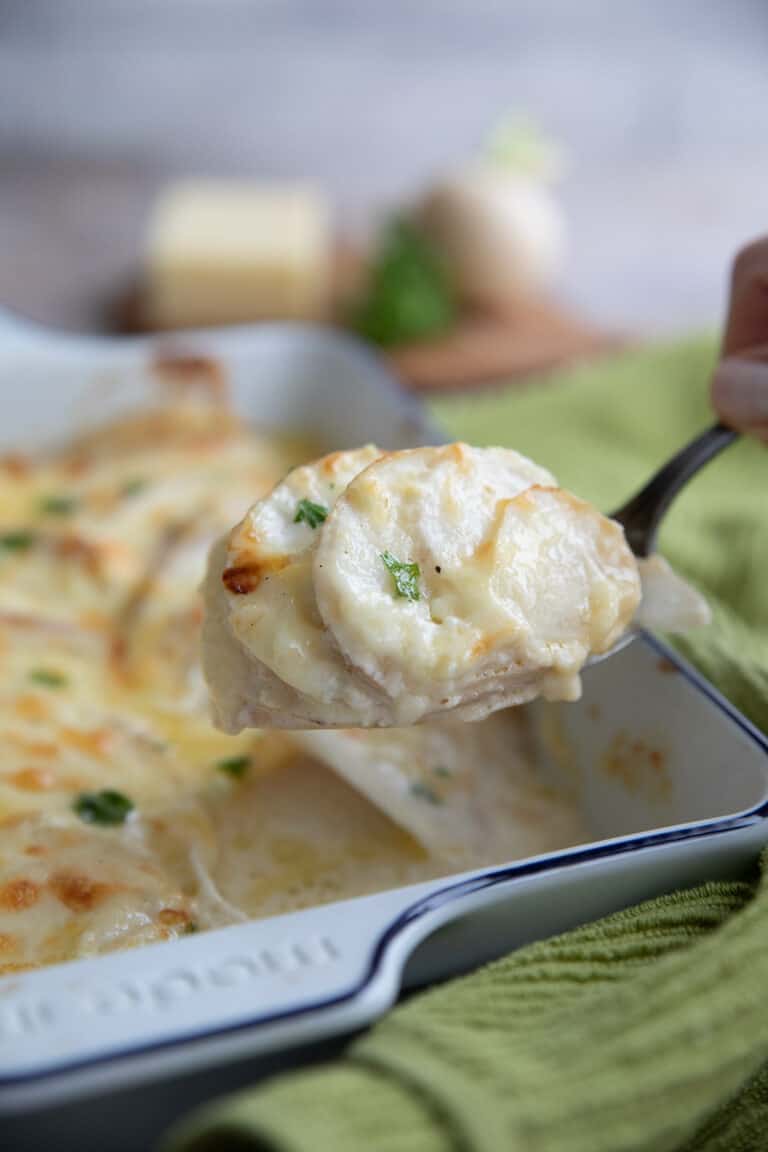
x=424, y=792
x=404, y=576
x=106, y=807
x=133, y=487
x=236, y=766
x=190, y=928
x=409, y=295
x=58, y=505
x=16, y=541
x=310, y=513
x=441, y=770
x=48, y=678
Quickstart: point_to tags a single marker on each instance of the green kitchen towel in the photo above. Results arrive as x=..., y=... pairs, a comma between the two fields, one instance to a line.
x=644, y=1032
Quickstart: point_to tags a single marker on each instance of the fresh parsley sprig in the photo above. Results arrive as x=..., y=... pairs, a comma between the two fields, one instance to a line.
x=409, y=295
x=108, y=807
x=405, y=577
x=235, y=766
x=48, y=678
x=310, y=513
x=58, y=505
x=16, y=541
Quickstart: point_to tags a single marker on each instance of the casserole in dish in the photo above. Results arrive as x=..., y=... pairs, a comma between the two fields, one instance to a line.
x=669, y=781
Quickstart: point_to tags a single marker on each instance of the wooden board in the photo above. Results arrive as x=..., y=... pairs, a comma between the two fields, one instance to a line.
x=484, y=350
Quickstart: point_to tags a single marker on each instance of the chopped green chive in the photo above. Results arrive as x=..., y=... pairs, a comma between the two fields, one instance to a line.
x=133, y=487
x=424, y=792
x=404, y=576
x=48, y=678
x=16, y=541
x=236, y=766
x=441, y=770
x=58, y=505
x=312, y=514
x=191, y=928
x=106, y=807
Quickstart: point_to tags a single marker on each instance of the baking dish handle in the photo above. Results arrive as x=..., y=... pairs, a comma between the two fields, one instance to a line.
x=268, y=985
x=249, y=988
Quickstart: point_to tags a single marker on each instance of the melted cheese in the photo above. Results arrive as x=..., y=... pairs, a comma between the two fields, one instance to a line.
x=518, y=581
x=103, y=544
x=467, y=792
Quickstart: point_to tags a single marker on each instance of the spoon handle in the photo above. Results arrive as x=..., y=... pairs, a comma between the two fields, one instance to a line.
x=642, y=514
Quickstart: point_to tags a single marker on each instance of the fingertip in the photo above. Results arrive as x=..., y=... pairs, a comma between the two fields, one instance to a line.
x=740, y=394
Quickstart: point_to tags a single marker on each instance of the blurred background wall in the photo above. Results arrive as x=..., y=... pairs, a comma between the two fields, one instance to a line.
x=660, y=105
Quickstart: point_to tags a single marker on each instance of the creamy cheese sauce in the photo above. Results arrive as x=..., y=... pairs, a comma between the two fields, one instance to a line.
x=104, y=711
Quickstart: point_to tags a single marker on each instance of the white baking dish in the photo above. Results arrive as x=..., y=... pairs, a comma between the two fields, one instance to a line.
x=692, y=804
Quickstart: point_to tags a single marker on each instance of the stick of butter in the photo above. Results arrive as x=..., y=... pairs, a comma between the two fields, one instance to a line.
x=227, y=252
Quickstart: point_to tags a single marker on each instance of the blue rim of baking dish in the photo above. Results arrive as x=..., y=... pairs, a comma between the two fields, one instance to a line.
x=446, y=895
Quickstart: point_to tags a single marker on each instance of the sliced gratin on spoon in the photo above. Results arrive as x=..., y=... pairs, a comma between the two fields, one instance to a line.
x=373, y=589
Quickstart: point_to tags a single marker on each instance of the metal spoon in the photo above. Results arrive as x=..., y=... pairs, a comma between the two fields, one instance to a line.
x=641, y=516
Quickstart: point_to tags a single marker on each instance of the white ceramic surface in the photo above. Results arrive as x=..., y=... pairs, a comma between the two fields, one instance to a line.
x=697, y=776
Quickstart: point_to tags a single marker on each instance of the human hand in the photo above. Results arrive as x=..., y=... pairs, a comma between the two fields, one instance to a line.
x=740, y=382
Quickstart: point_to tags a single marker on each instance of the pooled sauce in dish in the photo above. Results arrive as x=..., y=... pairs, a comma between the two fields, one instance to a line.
x=125, y=816
x=383, y=589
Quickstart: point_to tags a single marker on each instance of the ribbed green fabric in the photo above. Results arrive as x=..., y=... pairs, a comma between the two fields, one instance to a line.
x=644, y=1032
